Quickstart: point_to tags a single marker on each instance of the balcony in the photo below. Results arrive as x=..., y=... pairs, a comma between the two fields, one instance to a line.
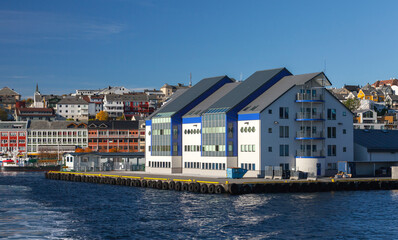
x=309, y=135
x=301, y=116
x=310, y=154
x=305, y=97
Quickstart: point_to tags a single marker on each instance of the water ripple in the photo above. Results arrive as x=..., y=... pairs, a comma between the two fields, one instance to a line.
x=32, y=207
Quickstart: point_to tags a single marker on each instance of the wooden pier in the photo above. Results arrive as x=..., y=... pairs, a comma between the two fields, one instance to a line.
x=210, y=185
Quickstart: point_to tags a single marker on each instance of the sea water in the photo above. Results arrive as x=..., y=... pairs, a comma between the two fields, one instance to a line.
x=32, y=207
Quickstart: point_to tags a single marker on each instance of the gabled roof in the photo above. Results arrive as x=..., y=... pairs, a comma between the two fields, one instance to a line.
x=121, y=125
x=191, y=95
x=41, y=125
x=108, y=154
x=20, y=125
x=245, y=89
x=377, y=140
x=6, y=91
x=72, y=100
x=352, y=88
x=393, y=97
x=205, y=104
x=280, y=88
x=35, y=112
x=126, y=98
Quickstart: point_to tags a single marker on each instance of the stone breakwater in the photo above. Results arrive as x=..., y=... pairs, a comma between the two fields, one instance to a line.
x=239, y=186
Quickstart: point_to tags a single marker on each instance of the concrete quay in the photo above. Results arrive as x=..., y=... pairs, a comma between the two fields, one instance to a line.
x=212, y=185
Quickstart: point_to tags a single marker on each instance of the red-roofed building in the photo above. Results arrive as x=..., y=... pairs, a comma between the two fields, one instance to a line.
x=25, y=114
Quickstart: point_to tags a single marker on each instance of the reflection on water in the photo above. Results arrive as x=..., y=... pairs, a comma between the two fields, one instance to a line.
x=32, y=207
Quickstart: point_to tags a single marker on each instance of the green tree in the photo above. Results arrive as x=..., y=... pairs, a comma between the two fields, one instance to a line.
x=3, y=114
x=352, y=104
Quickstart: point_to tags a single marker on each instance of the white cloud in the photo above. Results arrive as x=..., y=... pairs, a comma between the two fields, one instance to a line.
x=25, y=27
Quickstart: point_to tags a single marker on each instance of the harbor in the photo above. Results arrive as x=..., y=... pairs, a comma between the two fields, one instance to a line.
x=208, y=185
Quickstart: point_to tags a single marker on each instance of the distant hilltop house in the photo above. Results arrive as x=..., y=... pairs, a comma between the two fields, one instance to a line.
x=8, y=99
x=23, y=113
x=128, y=105
x=346, y=92
x=168, y=90
x=368, y=92
x=104, y=91
x=73, y=108
x=393, y=83
x=45, y=101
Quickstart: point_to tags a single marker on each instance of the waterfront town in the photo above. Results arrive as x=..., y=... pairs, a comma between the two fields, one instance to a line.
x=274, y=124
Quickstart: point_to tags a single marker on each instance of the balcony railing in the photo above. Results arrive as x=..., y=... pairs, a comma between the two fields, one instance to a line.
x=305, y=97
x=309, y=153
x=309, y=135
x=301, y=116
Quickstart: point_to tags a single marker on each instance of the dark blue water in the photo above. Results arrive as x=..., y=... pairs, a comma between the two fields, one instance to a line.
x=32, y=207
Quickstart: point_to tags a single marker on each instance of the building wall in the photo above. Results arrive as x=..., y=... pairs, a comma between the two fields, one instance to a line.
x=13, y=140
x=54, y=139
x=249, y=147
x=121, y=140
x=77, y=112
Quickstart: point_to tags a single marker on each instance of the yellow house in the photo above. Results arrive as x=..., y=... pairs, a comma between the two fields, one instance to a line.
x=370, y=93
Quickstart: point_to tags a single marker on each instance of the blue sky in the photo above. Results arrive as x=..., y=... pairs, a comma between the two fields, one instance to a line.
x=89, y=44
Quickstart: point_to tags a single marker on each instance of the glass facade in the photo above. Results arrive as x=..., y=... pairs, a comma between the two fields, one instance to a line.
x=161, y=139
x=213, y=135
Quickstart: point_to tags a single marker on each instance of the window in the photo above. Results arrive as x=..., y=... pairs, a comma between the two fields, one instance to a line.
x=344, y=114
x=284, y=131
x=283, y=150
x=283, y=112
x=269, y=111
x=331, y=114
x=331, y=150
x=269, y=130
x=368, y=114
x=269, y=149
x=344, y=131
x=331, y=132
x=344, y=149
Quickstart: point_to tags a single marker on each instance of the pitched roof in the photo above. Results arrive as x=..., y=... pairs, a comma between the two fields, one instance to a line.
x=377, y=140
x=393, y=97
x=123, y=125
x=108, y=154
x=205, y=104
x=72, y=100
x=392, y=82
x=7, y=91
x=41, y=124
x=246, y=88
x=352, y=88
x=35, y=112
x=278, y=89
x=126, y=98
x=13, y=125
x=192, y=94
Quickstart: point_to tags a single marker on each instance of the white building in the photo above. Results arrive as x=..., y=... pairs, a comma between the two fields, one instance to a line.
x=56, y=136
x=72, y=108
x=271, y=119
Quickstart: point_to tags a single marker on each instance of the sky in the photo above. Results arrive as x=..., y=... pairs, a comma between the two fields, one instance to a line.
x=65, y=45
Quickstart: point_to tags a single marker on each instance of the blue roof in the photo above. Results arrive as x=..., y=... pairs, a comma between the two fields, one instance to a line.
x=190, y=95
x=244, y=90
